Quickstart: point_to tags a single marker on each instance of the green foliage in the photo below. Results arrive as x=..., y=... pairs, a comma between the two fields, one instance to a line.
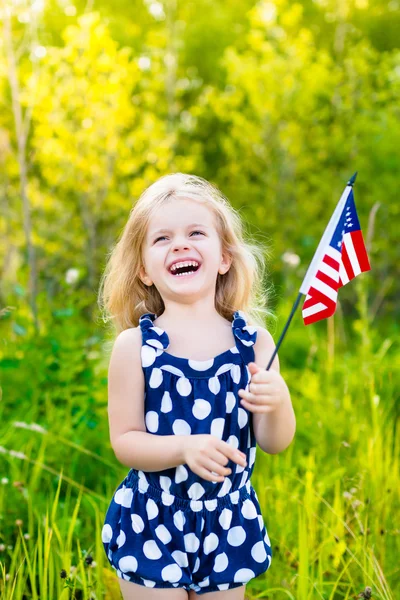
x=278, y=103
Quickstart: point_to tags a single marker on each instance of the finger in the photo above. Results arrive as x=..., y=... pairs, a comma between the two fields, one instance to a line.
x=256, y=408
x=252, y=398
x=212, y=465
x=236, y=455
x=259, y=388
x=219, y=457
x=207, y=475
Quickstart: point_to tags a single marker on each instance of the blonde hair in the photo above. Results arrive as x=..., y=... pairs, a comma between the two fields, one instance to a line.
x=123, y=297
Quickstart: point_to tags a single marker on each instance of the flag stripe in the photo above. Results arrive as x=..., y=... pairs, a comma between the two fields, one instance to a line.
x=315, y=308
x=346, y=263
x=358, y=242
x=331, y=272
x=348, y=242
x=324, y=289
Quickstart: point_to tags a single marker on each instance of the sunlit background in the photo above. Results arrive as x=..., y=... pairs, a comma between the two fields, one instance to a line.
x=278, y=103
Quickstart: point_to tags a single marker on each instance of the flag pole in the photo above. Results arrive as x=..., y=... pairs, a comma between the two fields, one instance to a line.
x=297, y=301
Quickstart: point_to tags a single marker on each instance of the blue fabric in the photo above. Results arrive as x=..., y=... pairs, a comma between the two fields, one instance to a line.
x=172, y=528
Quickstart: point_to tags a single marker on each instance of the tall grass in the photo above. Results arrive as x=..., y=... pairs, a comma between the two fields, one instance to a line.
x=330, y=501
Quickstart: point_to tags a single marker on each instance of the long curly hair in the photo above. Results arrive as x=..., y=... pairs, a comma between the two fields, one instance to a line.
x=123, y=297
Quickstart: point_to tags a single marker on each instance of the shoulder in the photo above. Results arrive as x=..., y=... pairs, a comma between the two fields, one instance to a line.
x=127, y=341
x=264, y=346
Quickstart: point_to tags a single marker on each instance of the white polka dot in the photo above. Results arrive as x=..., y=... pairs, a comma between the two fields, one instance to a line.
x=171, y=573
x=261, y=522
x=225, y=518
x=214, y=385
x=234, y=497
x=191, y=542
x=180, y=558
x=236, y=373
x=181, y=474
x=221, y=562
x=205, y=582
x=123, y=496
x=201, y=365
x=233, y=441
x=179, y=520
x=226, y=486
x=258, y=552
x=181, y=427
x=211, y=504
x=167, y=499
x=127, y=563
x=196, y=565
x=223, y=586
x=148, y=355
x=248, y=509
x=163, y=534
x=166, y=402
x=202, y=524
x=106, y=533
x=152, y=421
x=243, y=575
x=165, y=483
x=195, y=491
x=137, y=523
x=217, y=427
x=151, y=509
x=210, y=543
x=230, y=401
x=148, y=582
x=266, y=539
x=242, y=417
x=156, y=378
x=196, y=505
x=183, y=386
x=201, y=408
x=244, y=479
x=252, y=456
x=143, y=483
x=236, y=536
x=151, y=550
x=121, y=539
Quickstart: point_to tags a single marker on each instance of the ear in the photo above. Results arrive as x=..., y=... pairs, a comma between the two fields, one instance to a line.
x=226, y=262
x=144, y=278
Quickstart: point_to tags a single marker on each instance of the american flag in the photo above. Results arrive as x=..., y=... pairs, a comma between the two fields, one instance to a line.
x=339, y=258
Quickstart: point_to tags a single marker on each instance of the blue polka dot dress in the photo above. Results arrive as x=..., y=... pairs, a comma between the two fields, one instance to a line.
x=172, y=528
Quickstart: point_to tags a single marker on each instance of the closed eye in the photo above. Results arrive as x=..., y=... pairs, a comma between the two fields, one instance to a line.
x=163, y=236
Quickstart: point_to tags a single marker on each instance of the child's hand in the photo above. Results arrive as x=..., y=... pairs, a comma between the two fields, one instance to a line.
x=266, y=390
x=207, y=456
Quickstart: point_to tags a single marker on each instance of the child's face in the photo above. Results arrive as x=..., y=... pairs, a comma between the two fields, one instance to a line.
x=190, y=234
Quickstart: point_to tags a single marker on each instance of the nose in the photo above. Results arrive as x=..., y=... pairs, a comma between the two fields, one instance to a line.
x=178, y=246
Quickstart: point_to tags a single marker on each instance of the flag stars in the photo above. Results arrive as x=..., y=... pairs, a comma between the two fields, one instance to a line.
x=339, y=244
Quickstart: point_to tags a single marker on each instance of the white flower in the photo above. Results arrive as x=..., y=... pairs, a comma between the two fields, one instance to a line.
x=72, y=276
x=144, y=63
x=291, y=259
x=4, y=480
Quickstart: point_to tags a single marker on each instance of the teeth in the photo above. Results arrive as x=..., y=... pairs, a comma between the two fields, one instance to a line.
x=184, y=264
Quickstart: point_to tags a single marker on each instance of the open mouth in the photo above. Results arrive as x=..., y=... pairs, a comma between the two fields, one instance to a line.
x=185, y=272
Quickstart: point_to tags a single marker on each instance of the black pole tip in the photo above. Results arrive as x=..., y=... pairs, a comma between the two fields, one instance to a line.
x=352, y=179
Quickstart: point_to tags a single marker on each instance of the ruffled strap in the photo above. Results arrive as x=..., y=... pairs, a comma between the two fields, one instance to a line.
x=153, y=336
x=246, y=336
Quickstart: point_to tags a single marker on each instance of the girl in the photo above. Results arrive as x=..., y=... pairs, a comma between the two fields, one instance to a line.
x=186, y=520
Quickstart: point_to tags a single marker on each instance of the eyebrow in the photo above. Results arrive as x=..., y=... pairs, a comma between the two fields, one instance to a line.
x=168, y=230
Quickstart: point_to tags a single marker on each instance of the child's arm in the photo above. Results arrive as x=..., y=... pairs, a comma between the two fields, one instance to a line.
x=133, y=446
x=268, y=398
x=205, y=454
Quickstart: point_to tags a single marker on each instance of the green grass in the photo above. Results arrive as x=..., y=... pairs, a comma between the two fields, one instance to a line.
x=330, y=501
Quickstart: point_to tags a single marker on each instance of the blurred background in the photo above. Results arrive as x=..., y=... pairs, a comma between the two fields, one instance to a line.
x=278, y=103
